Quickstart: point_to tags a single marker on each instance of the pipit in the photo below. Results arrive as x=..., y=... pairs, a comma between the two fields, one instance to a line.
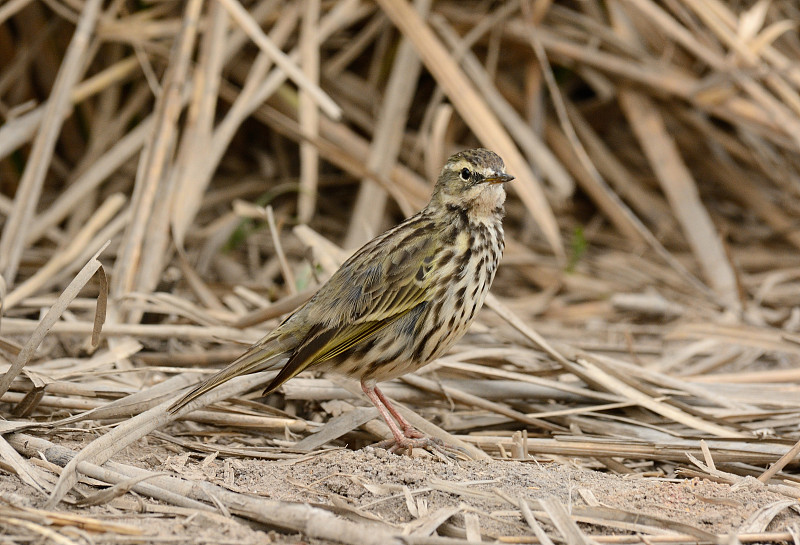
x=401, y=300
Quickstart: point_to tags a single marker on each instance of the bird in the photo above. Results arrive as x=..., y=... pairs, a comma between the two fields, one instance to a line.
x=398, y=302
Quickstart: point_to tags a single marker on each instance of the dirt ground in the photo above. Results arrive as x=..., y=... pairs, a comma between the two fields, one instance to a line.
x=419, y=495
x=649, y=295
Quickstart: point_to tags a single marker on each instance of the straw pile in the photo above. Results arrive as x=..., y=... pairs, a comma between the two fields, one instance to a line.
x=176, y=176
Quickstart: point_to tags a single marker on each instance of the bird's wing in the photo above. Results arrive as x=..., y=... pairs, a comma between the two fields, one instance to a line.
x=373, y=290
x=378, y=285
x=386, y=277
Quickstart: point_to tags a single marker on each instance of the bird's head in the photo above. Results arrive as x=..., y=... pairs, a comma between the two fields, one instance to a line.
x=473, y=180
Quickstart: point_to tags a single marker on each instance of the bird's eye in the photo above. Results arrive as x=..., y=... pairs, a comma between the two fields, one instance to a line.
x=465, y=174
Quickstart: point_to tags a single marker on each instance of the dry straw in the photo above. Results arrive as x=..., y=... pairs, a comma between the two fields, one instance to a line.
x=646, y=315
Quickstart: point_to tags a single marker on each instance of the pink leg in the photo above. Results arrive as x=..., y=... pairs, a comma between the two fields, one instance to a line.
x=408, y=429
x=375, y=397
x=408, y=437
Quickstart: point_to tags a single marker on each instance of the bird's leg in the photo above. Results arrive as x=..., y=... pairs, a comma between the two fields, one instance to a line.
x=408, y=429
x=405, y=439
x=409, y=437
x=375, y=398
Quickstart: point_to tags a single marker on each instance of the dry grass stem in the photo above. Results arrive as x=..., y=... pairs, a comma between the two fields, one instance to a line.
x=177, y=177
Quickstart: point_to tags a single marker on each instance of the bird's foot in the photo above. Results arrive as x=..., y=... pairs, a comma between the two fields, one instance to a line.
x=405, y=436
x=412, y=439
x=410, y=432
x=409, y=441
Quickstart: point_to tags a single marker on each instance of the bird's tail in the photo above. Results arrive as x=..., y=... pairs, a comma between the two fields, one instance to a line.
x=257, y=358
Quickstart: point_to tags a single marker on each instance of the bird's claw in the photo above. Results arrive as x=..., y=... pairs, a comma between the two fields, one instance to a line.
x=415, y=439
x=409, y=443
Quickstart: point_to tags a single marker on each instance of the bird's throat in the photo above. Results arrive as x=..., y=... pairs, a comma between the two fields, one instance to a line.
x=488, y=204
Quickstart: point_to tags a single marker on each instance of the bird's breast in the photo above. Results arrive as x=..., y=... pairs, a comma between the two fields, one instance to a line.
x=463, y=270
x=465, y=281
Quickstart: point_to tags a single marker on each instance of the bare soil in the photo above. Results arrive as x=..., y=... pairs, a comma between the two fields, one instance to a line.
x=418, y=494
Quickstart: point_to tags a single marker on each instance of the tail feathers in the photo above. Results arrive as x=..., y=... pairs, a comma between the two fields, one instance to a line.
x=254, y=360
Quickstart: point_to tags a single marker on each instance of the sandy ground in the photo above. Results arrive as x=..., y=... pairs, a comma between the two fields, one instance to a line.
x=416, y=494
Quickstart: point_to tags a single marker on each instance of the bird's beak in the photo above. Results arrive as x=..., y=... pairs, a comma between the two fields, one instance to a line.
x=499, y=178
